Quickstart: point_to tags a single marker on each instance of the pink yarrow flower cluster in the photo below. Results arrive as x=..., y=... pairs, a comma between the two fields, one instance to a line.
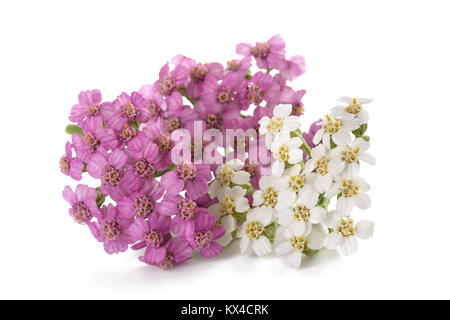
x=143, y=200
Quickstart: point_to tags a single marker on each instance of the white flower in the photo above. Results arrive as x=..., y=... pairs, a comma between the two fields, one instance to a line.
x=273, y=194
x=336, y=129
x=285, y=149
x=232, y=202
x=300, y=183
x=345, y=159
x=319, y=162
x=297, y=245
x=251, y=232
x=352, y=109
x=279, y=123
x=226, y=174
x=299, y=218
x=352, y=192
x=345, y=233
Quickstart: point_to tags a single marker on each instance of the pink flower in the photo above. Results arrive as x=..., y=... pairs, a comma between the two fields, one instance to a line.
x=169, y=82
x=109, y=170
x=163, y=140
x=198, y=73
x=239, y=67
x=72, y=167
x=126, y=109
x=293, y=68
x=111, y=230
x=219, y=96
x=155, y=103
x=179, y=118
x=176, y=251
x=152, y=233
x=83, y=202
x=261, y=87
x=308, y=136
x=204, y=235
x=87, y=112
x=142, y=202
x=193, y=177
x=95, y=141
x=185, y=211
x=134, y=139
x=268, y=55
x=141, y=167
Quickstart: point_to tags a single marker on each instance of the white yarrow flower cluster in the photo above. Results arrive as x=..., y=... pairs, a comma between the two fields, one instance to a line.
x=291, y=205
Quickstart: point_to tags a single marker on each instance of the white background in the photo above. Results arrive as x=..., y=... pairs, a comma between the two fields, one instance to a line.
x=396, y=52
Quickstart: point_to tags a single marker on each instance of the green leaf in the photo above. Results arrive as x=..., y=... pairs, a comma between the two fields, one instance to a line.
x=310, y=252
x=248, y=76
x=74, y=129
x=100, y=197
x=270, y=231
x=367, y=138
x=360, y=131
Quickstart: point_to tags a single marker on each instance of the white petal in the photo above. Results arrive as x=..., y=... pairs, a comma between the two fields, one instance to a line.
x=262, y=246
x=291, y=123
x=341, y=138
x=257, y=198
x=333, y=240
x=318, y=152
x=228, y=223
x=361, y=143
x=315, y=240
x=333, y=191
x=317, y=215
x=349, y=246
x=298, y=228
x=362, y=201
x=282, y=110
x=326, y=140
x=308, y=196
x=363, y=184
x=336, y=166
x=364, y=229
x=241, y=177
x=344, y=206
x=277, y=168
x=352, y=171
x=295, y=156
x=285, y=217
x=294, y=259
x=331, y=220
x=243, y=244
x=367, y=157
x=318, y=136
x=215, y=209
x=241, y=204
x=235, y=164
x=263, y=215
x=363, y=116
x=323, y=183
x=283, y=248
x=212, y=191
x=286, y=198
x=225, y=240
x=267, y=181
x=237, y=192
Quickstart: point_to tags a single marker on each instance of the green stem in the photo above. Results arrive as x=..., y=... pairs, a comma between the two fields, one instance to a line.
x=299, y=133
x=160, y=173
x=183, y=93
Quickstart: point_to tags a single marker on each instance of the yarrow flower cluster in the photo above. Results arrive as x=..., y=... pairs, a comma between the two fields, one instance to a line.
x=168, y=195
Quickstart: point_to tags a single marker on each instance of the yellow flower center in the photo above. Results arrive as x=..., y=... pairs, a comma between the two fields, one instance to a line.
x=296, y=182
x=254, y=230
x=349, y=188
x=331, y=125
x=283, y=153
x=354, y=107
x=270, y=197
x=346, y=227
x=301, y=213
x=275, y=124
x=227, y=206
x=322, y=166
x=224, y=176
x=349, y=154
x=298, y=243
